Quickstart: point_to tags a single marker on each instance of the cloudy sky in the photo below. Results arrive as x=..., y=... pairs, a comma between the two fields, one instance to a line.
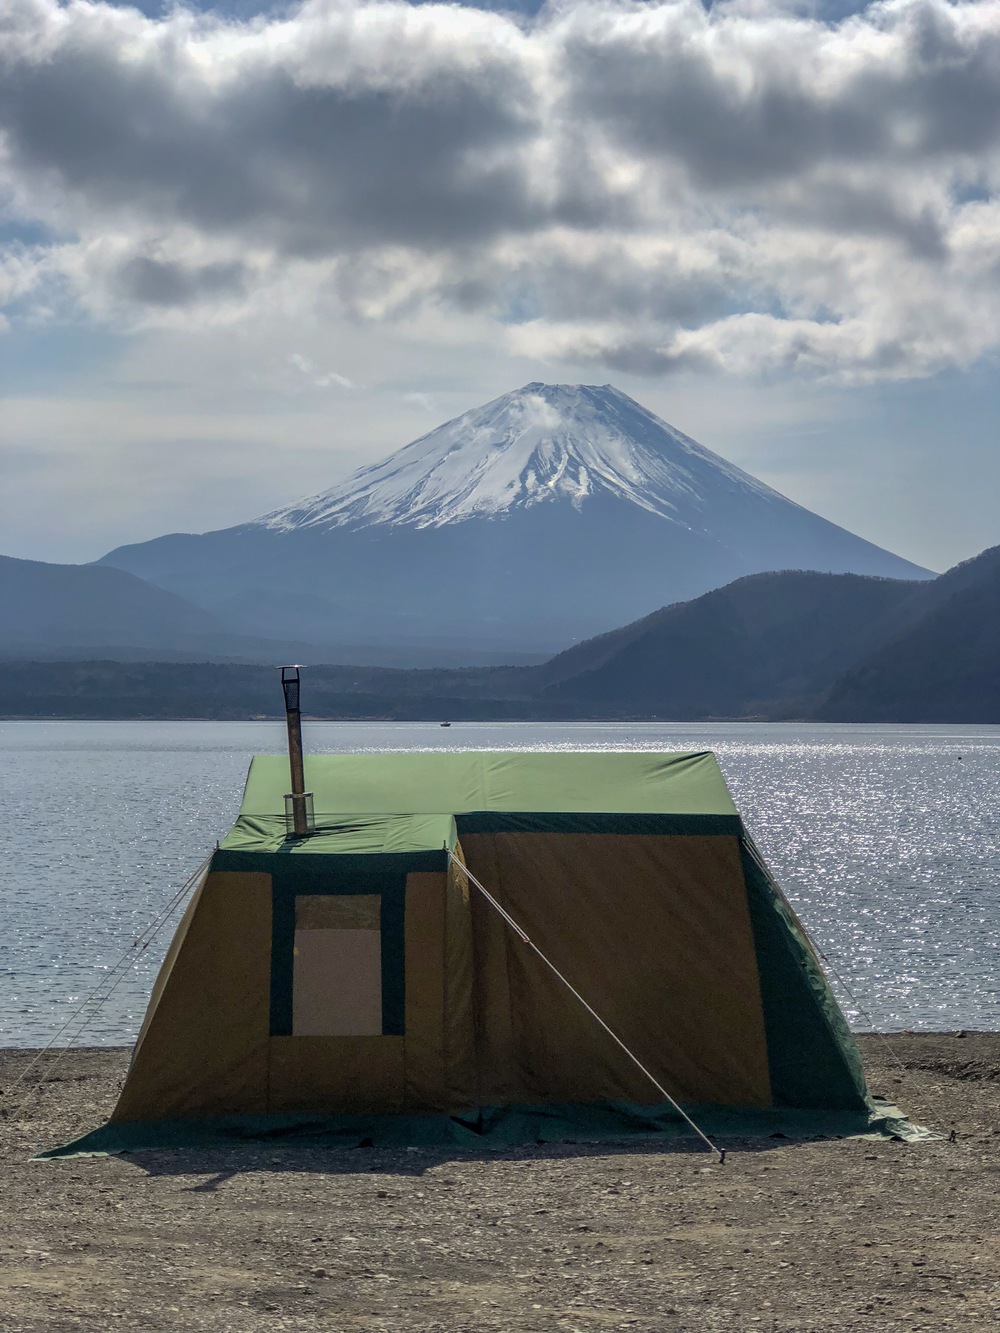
x=245, y=249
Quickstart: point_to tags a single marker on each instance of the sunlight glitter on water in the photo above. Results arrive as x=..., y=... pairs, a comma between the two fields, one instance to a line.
x=886, y=840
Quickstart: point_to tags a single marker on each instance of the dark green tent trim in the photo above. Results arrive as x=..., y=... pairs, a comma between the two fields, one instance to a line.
x=506, y=821
x=812, y=1058
x=390, y=885
x=493, y=1128
x=351, y=870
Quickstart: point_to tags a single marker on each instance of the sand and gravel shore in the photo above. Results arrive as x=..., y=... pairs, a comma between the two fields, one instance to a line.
x=646, y=1236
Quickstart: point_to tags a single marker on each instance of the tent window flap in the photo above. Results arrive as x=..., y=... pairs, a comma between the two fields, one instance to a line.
x=337, y=967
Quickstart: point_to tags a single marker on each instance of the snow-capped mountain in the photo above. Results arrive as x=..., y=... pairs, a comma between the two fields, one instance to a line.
x=543, y=443
x=550, y=514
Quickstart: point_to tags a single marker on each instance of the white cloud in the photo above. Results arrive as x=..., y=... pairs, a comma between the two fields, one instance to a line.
x=314, y=377
x=645, y=187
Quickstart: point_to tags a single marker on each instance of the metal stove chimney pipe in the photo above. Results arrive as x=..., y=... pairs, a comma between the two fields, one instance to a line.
x=293, y=722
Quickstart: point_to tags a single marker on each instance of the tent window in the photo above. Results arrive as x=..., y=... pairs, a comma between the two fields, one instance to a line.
x=337, y=968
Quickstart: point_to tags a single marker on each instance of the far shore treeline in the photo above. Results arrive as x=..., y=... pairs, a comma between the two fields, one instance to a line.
x=782, y=646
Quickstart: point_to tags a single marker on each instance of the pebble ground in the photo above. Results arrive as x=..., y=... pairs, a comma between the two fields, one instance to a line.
x=648, y=1237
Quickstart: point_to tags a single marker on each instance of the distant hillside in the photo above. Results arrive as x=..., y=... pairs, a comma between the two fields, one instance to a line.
x=81, y=606
x=54, y=612
x=764, y=643
x=228, y=691
x=944, y=667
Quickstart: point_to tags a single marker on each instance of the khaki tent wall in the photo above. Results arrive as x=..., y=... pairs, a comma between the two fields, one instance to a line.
x=206, y=1047
x=654, y=931
x=440, y=1044
x=203, y=1049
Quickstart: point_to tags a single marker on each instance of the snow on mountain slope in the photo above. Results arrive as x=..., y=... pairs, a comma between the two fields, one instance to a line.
x=545, y=442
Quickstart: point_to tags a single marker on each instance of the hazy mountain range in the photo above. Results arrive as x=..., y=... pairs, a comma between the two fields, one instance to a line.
x=69, y=611
x=548, y=515
x=839, y=647
x=54, y=612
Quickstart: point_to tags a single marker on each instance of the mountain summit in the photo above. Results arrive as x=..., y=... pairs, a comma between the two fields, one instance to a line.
x=539, y=444
x=550, y=514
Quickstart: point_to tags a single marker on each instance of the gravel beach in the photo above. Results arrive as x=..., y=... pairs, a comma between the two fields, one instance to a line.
x=645, y=1236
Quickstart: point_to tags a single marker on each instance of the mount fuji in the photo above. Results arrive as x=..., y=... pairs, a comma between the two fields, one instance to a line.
x=550, y=514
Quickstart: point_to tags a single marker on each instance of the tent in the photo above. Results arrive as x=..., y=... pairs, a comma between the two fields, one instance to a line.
x=355, y=981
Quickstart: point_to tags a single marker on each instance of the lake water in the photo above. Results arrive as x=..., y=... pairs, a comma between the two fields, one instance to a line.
x=886, y=840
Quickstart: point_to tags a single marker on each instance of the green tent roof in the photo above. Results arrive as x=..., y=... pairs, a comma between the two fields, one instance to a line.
x=408, y=802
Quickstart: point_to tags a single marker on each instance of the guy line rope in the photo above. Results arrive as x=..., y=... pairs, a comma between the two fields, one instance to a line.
x=525, y=939
x=108, y=985
x=935, y=1089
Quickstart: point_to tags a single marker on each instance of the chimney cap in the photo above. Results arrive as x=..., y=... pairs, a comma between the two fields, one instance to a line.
x=290, y=684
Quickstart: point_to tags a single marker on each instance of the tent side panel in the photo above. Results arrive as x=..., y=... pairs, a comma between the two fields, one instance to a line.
x=459, y=1032
x=167, y=966
x=813, y=1059
x=440, y=1054
x=336, y=1074
x=654, y=931
x=498, y=1080
x=203, y=1049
